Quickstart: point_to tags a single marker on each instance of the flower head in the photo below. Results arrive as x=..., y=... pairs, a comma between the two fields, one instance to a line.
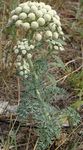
x=43, y=26
x=22, y=51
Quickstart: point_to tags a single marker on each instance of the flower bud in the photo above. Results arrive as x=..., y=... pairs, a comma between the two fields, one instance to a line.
x=48, y=34
x=61, y=48
x=16, y=51
x=48, y=7
x=29, y=55
x=21, y=73
x=18, y=10
x=41, y=21
x=39, y=13
x=18, y=23
x=33, y=8
x=38, y=37
x=44, y=11
x=23, y=16
x=56, y=47
x=34, y=25
x=18, y=64
x=19, y=57
x=23, y=52
x=14, y=17
x=26, y=76
x=32, y=46
x=47, y=17
x=31, y=16
x=52, y=27
x=26, y=9
x=55, y=35
x=12, y=12
x=26, y=26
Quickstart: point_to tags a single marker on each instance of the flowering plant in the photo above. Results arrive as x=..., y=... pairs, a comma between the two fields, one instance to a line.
x=41, y=24
x=35, y=54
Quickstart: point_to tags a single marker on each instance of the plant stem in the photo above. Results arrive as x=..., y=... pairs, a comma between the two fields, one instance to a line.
x=37, y=92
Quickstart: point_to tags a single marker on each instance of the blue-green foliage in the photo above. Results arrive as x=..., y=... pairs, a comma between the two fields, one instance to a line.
x=48, y=118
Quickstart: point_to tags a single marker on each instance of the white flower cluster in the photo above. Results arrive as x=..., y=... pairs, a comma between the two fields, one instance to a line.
x=22, y=51
x=38, y=17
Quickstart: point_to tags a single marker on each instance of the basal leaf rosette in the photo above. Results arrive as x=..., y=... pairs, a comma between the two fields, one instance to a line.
x=40, y=22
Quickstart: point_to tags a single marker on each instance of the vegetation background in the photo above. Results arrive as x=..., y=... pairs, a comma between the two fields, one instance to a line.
x=71, y=14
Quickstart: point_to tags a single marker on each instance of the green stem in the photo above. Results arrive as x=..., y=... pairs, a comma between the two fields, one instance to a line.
x=35, y=80
x=36, y=83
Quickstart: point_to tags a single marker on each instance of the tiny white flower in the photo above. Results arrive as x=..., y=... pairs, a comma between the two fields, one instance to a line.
x=18, y=42
x=21, y=73
x=10, y=22
x=18, y=64
x=44, y=10
x=29, y=55
x=36, y=4
x=18, y=23
x=55, y=35
x=26, y=76
x=41, y=21
x=57, y=17
x=26, y=26
x=52, y=27
x=61, y=33
x=26, y=43
x=32, y=46
x=16, y=51
x=21, y=43
x=33, y=8
x=38, y=36
x=19, y=57
x=34, y=25
x=23, y=52
x=54, y=13
x=39, y=13
x=26, y=9
x=47, y=17
x=26, y=66
x=26, y=71
x=48, y=34
x=59, y=29
x=63, y=38
x=56, y=47
x=31, y=16
x=22, y=4
x=56, y=21
x=22, y=47
x=12, y=12
x=14, y=17
x=25, y=39
x=51, y=12
x=21, y=67
x=30, y=3
x=28, y=48
x=48, y=7
x=23, y=16
x=61, y=48
x=42, y=4
x=18, y=10
x=15, y=47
